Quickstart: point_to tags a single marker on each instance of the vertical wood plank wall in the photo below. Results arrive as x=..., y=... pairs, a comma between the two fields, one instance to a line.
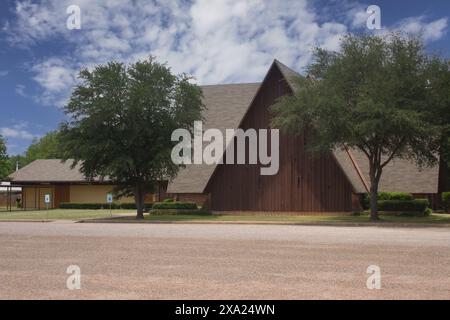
x=62, y=194
x=304, y=183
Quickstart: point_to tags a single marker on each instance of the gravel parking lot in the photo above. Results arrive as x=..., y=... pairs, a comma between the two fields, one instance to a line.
x=170, y=261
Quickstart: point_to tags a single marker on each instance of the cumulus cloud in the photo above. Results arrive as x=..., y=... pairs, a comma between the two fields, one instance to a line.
x=17, y=131
x=56, y=77
x=217, y=41
x=430, y=31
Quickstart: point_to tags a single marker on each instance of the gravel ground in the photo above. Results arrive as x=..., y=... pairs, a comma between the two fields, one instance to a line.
x=167, y=261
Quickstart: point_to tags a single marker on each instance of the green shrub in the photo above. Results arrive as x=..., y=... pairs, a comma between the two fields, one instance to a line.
x=97, y=206
x=395, y=196
x=365, y=201
x=446, y=200
x=91, y=206
x=168, y=200
x=427, y=212
x=175, y=205
x=418, y=205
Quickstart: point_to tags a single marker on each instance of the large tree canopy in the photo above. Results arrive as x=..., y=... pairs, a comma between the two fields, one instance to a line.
x=440, y=93
x=122, y=118
x=372, y=95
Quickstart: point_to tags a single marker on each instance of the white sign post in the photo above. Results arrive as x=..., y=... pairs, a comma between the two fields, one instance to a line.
x=109, y=199
x=47, y=199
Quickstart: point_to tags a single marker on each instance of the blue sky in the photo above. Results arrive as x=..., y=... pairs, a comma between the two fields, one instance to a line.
x=217, y=41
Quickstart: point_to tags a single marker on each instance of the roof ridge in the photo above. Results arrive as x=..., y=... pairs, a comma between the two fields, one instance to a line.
x=286, y=67
x=230, y=84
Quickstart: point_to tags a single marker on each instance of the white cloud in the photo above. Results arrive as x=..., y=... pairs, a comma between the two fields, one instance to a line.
x=56, y=77
x=3, y=73
x=430, y=31
x=18, y=131
x=217, y=41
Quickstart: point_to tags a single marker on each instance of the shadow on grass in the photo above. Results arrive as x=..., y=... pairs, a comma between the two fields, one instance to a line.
x=361, y=219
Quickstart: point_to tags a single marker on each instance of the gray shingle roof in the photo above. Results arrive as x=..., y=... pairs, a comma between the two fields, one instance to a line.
x=226, y=106
x=49, y=170
x=399, y=175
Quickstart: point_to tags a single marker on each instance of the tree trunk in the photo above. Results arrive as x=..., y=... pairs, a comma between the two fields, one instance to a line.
x=139, y=199
x=373, y=203
x=375, y=175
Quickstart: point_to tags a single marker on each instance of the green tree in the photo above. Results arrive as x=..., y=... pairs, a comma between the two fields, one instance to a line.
x=439, y=87
x=47, y=147
x=373, y=95
x=122, y=118
x=4, y=161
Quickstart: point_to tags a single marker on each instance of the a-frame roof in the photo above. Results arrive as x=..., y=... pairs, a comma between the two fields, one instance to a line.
x=226, y=108
x=226, y=105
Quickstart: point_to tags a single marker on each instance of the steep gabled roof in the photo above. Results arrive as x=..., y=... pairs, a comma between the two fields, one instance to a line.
x=225, y=107
x=290, y=75
x=401, y=175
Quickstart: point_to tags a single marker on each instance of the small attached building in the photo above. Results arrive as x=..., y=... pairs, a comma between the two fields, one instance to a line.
x=63, y=183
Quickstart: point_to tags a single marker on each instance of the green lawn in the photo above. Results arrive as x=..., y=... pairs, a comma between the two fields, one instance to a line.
x=73, y=214
x=66, y=214
x=434, y=218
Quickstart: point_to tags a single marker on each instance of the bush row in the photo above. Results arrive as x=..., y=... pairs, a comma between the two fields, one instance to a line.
x=97, y=206
x=395, y=196
x=175, y=205
x=446, y=201
x=386, y=196
x=418, y=205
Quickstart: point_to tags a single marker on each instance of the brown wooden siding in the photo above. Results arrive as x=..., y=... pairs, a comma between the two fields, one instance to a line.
x=304, y=183
x=62, y=194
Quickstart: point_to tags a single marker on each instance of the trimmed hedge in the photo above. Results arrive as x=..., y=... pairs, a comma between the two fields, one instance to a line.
x=365, y=202
x=446, y=200
x=418, y=205
x=97, y=206
x=395, y=196
x=168, y=200
x=175, y=205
